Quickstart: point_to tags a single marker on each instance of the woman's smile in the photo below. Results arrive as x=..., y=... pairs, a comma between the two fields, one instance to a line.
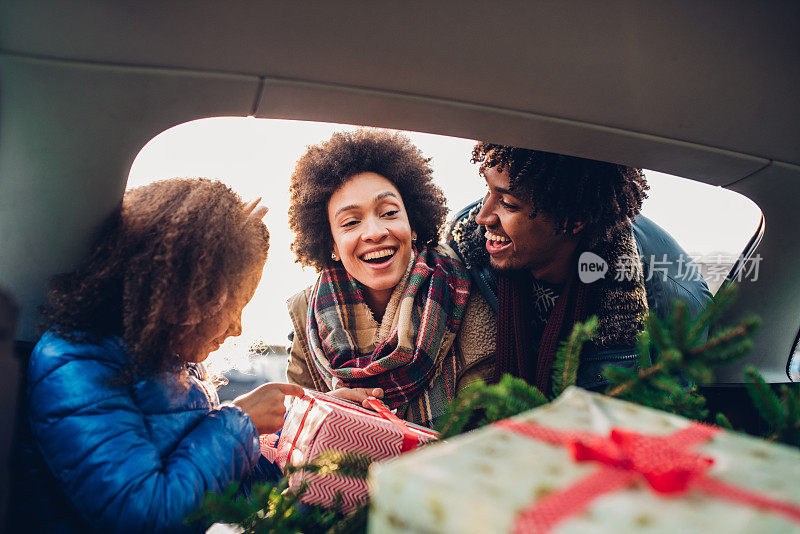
x=371, y=233
x=379, y=259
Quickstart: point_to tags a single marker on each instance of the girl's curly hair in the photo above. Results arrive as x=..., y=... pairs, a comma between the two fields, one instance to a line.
x=165, y=257
x=568, y=189
x=325, y=167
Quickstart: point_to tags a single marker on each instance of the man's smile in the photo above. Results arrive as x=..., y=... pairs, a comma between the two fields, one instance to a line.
x=496, y=243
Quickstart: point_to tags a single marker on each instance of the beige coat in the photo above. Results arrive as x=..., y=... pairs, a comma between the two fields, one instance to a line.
x=475, y=345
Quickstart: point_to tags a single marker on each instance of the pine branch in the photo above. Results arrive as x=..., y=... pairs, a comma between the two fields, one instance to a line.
x=791, y=431
x=699, y=372
x=682, y=357
x=766, y=402
x=516, y=388
x=354, y=523
x=460, y=410
x=722, y=301
x=792, y=400
x=680, y=322
x=629, y=381
x=659, y=336
x=480, y=404
x=723, y=421
x=669, y=385
x=272, y=508
x=782, y=414
x=335, y=463
x=643, y=349
x=269, y=509
x=743, y=330
x=567, y=358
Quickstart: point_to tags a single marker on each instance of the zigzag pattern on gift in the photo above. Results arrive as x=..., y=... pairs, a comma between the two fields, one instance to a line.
x=360, y=436
x=267, y=444
x=342, y=433
x=353, y=491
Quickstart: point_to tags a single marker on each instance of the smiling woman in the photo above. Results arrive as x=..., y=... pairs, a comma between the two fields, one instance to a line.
x=386, y=310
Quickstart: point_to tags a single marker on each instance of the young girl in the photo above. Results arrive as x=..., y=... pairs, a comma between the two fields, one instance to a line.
x=121, y=408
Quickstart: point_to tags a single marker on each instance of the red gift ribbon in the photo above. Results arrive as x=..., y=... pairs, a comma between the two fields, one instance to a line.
x=410, y=438
x=300, y=426
x=666, y=463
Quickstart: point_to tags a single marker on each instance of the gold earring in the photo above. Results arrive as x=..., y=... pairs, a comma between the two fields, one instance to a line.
x=334, y=257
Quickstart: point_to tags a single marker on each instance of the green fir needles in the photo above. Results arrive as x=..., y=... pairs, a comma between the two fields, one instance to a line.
x=568, y=356
x=335, y=463
x=275, y=509
x=781, y=413
x=480, y=404
x=683, y=356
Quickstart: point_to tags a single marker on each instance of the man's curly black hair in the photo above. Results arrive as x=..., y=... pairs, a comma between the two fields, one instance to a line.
x=568, y=189
x=325, y=167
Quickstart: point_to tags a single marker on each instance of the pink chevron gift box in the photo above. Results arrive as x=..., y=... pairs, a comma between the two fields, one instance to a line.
x=318, y=423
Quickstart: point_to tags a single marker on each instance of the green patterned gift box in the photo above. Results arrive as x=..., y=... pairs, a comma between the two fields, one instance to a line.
x=590, y=464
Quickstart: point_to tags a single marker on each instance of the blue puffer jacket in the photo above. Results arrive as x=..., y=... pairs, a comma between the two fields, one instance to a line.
x=135, y=458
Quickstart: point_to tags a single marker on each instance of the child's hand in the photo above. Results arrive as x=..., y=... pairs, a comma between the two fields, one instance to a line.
x=265, y=406
x=254, y=211
x=357, y=395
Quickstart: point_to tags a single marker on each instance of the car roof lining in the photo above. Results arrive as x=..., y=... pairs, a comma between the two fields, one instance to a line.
x=685, y=88
x=617, y=64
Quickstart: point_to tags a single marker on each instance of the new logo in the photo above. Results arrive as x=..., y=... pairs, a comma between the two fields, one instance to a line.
x=591, y=267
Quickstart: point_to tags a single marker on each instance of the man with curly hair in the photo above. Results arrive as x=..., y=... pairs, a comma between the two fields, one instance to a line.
x=546, y=216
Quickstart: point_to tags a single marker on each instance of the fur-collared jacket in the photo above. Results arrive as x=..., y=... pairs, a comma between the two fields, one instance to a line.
x=647, y=269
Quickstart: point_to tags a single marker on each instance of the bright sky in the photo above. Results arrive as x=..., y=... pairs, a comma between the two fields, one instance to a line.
x=256, y=156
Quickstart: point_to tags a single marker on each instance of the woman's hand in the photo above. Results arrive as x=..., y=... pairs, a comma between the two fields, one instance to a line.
x=357, y=395
x=265, y=406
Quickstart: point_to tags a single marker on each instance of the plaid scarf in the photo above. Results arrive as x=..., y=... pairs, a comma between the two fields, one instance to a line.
x=515, y=346
x=404, y=354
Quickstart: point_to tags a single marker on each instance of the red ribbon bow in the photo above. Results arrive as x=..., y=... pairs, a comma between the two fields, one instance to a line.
x=667, y=468
x=667, y=463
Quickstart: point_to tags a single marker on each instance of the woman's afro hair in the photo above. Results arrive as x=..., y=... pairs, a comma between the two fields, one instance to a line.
x=569, y=190
x=325, y=167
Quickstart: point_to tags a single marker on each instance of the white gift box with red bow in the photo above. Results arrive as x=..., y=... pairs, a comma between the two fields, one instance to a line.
x=587, y=463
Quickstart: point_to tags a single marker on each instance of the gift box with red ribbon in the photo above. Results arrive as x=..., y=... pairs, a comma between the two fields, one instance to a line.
x=317, y=423
x=591, y=464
